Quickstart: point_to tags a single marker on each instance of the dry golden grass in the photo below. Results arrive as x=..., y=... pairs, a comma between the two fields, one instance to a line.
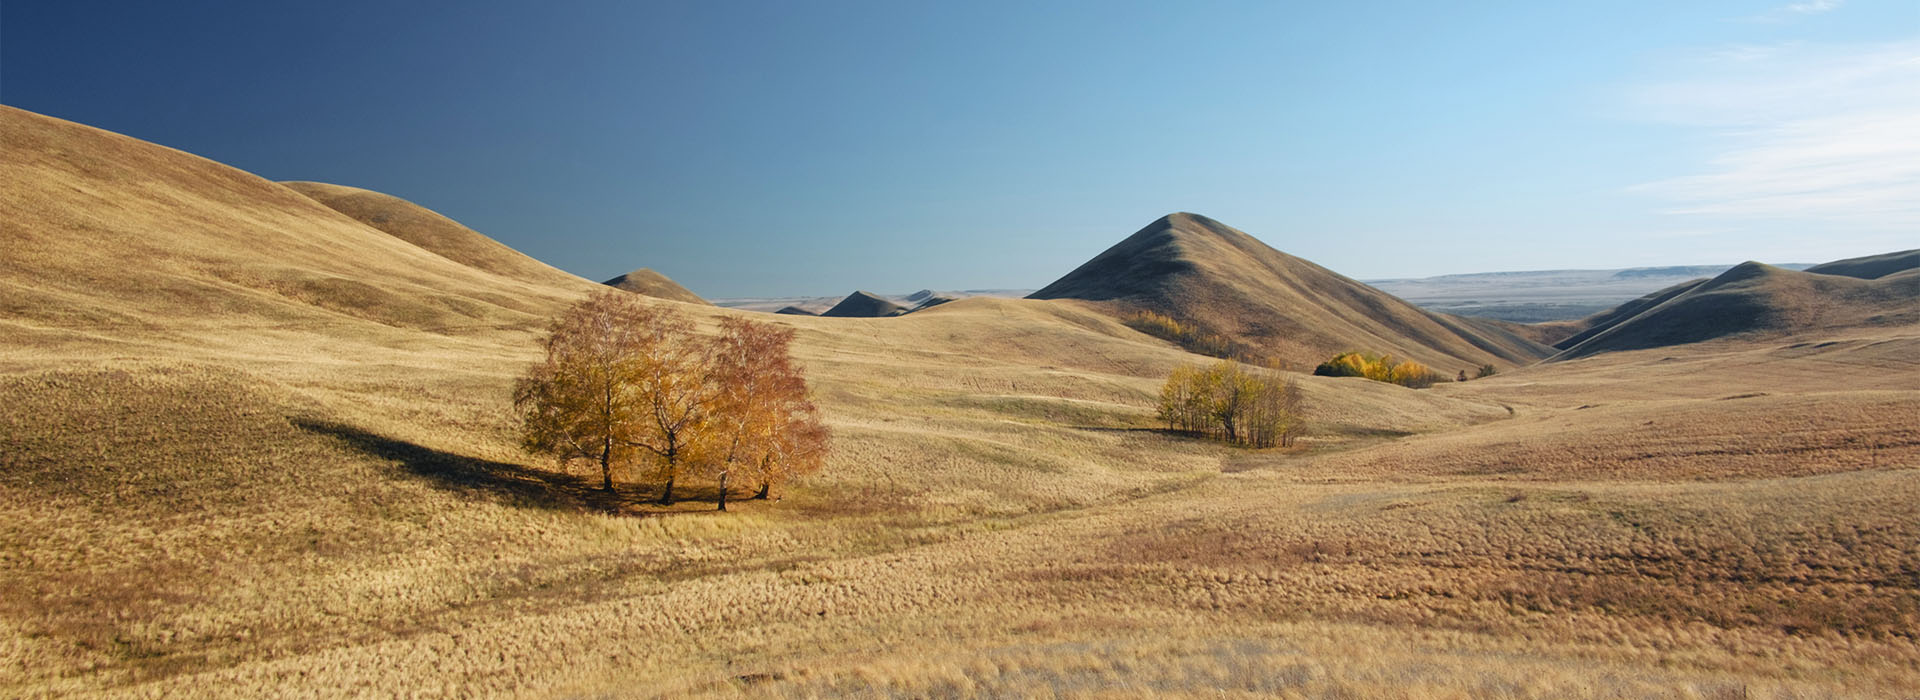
x=438, y=234
x=231, y=492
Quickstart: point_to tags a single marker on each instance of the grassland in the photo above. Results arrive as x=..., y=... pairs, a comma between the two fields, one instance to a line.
x=997, y=520
x=212, y=487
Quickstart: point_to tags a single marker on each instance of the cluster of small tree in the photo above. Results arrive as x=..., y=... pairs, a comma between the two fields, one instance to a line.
x=1380, y=368
x=628, y=383
x=1486, y=370
x=1233, y=402
x=1195, y=338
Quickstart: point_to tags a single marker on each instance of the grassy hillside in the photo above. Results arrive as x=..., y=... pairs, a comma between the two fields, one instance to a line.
x=1871, y=266
x=431, y=231
x=1753, y=299
x=210, y=486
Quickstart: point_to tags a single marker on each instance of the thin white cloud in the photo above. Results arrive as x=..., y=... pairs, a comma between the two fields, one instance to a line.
x=1814, y=7
x=1803, y=132
x=1798, y=9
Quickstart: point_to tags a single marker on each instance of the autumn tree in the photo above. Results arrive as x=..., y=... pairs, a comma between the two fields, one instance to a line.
x=1233, y=402
x=674, y=385
x=1380, y=368
x=798, y=448
x=575, y=403
x=1412, y=375
x=762, y=420
x=1271, y=411
x=626, y=380
x=1183, y=400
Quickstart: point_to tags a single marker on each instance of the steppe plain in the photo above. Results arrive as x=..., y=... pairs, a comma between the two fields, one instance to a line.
x=255, y=446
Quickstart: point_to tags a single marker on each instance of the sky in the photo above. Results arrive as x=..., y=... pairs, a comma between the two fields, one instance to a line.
x=813, y=148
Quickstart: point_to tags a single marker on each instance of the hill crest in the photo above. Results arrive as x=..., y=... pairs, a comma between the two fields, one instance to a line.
x=864, y=304
x=432, y=231
x=648, y=282
x=1752, y=299
x=1200, y=270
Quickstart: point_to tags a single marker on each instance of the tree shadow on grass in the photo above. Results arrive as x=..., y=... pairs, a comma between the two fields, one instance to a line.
x=1123, y=431
x=512, y=484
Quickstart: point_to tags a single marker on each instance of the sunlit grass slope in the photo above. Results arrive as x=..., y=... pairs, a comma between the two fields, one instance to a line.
x=433, y=232
x=215, y=481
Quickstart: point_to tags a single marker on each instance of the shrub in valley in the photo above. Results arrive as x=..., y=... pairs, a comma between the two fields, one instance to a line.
x=1232, y=402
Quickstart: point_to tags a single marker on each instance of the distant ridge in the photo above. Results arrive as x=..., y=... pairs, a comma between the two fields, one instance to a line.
x=795, y=311
x=1755, y=299
x=653, y=284
x=1200, y=270
x=1872, y=266
x=931, y=300
x=865, y=305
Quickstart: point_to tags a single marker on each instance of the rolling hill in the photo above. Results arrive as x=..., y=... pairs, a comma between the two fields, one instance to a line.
x=1871, y=266
x=1600, y=322
x=252, y=447
x=864, y=305
x=430, y=230
x=1199, y=270
x=1753, y=299
x=108, y=232
x=654, y=284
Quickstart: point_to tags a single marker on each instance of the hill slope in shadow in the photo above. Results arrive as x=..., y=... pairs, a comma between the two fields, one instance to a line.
x=864, y=305
x=1871, y=266
x=1752, y=299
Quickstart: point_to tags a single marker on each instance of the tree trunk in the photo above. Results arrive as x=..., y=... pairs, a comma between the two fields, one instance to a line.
x=723, y=490
x=764, y=487
x=666, y=497
x=606, y=466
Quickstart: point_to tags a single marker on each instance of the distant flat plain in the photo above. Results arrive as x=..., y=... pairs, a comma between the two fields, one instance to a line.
x=1534, y=296
x=1528, y=296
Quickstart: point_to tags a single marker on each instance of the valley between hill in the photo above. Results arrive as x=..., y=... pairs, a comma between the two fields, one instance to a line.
x=254, y=446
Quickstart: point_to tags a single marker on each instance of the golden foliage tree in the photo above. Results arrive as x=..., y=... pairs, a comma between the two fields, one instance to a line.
x=798, y=448
x=673, y=382
x=762, y=421
x=1380, y=368
x=625, y=380
x=575, y=403
x=1232, y=402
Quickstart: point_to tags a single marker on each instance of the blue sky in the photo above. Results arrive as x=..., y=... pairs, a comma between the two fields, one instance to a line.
x=813, y=148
